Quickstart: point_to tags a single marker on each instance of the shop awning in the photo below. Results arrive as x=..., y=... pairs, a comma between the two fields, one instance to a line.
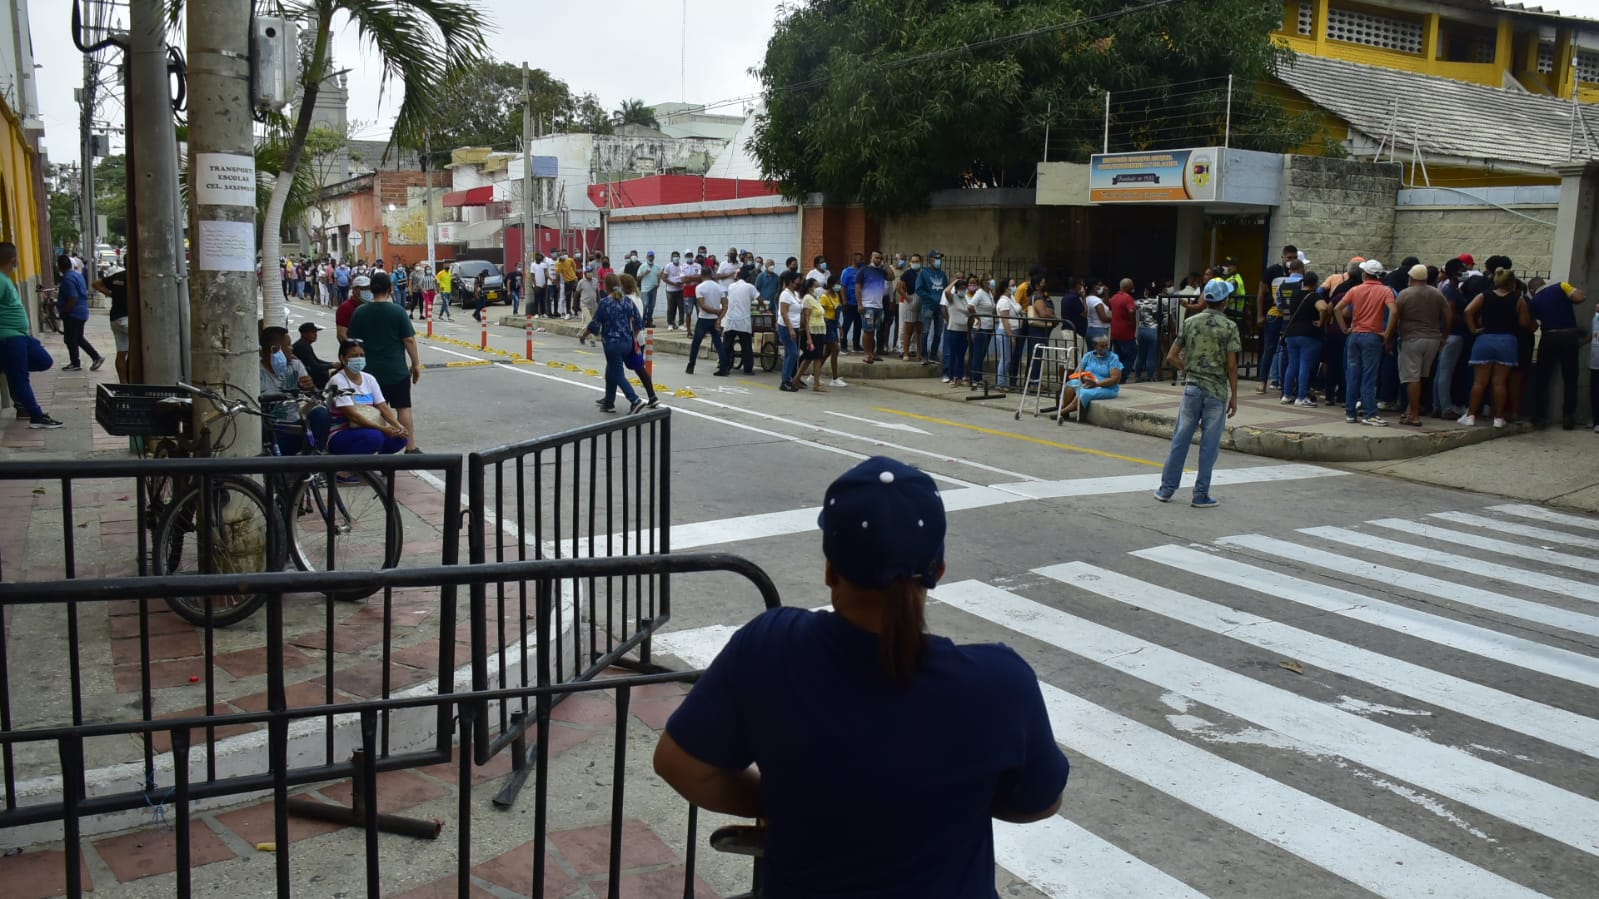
x=476, y=196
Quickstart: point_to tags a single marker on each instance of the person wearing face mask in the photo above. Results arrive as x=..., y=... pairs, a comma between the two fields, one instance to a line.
x=617, y=323
x=818, y=272
x=767, y=283
x=1098, y=313
x=389, y=342
x=587, y=294
x=789, y=318
x=672, y=275
x=282, y=373
x=1007, y=321
x=358, y=431
x=910, y=310
x=631, y=267
x=360, y=292
x=871, y=288
x=930, y=285
x=981, y=304
x=1100, y=379
x=649, y=283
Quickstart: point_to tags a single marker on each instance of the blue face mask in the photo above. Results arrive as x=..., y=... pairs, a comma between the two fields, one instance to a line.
x=823, y=266
x=915, y=266
x=366, y=296
x=356, y=364
x=938, y=263
x=280, y=363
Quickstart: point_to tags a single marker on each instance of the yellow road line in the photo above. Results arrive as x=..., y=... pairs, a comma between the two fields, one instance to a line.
x=1023, y=437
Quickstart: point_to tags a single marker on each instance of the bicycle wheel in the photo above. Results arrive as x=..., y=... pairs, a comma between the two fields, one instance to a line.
x=158, y=489
x=243, y=539
x=357, y=518
x=768, y=356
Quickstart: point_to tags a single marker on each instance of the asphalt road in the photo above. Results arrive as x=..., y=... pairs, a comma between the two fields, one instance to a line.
x=1398, y=704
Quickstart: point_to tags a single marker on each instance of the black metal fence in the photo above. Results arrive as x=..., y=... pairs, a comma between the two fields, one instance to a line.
x=458, y=713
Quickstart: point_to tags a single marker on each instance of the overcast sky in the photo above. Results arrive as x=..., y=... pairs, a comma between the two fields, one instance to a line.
x=618, y=49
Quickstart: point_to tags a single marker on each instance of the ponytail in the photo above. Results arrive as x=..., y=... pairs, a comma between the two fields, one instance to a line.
x=902, y=641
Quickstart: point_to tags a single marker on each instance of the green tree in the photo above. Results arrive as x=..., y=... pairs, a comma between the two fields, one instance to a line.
x=421, y=44
x=63, y=218
x=885, y=101
x=486, y=107
x=111, y=197
x=634, y=112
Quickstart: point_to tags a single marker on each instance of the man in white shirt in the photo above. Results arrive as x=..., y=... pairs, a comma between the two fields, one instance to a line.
x=672, y=276
x=539, y=277
x=818, y=272
x=710, y=301
x=693, y=272
x=737, y=327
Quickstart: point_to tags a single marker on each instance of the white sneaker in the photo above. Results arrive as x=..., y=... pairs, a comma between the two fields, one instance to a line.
x=1499, y=422
x=837, y=382
x=1307, y=403
x=1468, y=420
x=945, y=380
x=1287, y=401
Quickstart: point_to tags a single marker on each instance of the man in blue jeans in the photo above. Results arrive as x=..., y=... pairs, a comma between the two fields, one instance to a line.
x=1376, y=314
x=20, y=352
x=930, y=284
x=1207, y=349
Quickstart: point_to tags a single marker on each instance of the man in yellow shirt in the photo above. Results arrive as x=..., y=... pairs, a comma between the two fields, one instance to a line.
x=446, y=281
x=567, y=270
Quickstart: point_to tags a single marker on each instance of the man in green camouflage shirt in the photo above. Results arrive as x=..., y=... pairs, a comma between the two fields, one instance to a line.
x=1207, y=349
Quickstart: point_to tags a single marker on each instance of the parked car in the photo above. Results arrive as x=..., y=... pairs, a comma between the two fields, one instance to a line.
x=493, y=281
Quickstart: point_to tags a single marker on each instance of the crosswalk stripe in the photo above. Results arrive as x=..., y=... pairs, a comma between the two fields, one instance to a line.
x=1377, y=858
x=1384, y=861
x=1511, y=575
x=1488, y=544
x=1546, y=516
x=1446, y=691
x=1520, y=530
x=1061, y=859
x=1514, y=797
x=1469, y=638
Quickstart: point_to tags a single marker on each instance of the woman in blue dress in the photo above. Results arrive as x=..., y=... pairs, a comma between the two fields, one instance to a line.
x=1100, y=379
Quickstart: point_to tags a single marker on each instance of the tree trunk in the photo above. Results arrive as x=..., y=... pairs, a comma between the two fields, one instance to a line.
x=273, y=304
x=223, y=331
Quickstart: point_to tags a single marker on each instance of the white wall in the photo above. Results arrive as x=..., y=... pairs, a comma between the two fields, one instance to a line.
x=763, y=235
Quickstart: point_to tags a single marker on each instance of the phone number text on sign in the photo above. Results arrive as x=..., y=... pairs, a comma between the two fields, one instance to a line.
x=224, y=179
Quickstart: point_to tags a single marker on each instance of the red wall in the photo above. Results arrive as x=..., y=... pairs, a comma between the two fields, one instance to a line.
x=549, y=240
x=666, y=190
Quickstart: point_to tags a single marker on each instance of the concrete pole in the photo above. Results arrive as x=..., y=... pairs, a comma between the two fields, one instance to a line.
x=427, y=170
x=222, y=297
x=527, y=191
x=154, y=183
x=86, y=238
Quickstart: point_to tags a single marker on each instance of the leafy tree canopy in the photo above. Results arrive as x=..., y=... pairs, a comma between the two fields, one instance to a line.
x=111, y=197
x=485, y=108
x=634, y=112
x=63, y=218
x=885, y=101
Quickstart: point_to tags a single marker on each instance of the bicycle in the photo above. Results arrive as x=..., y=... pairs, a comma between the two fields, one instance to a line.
x=233, y=528
x=49, y=316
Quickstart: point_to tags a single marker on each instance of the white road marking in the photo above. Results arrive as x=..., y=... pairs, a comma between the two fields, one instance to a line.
x=1477, y=542
x=1134, y=483
x=1469, y=638
x=1446, y=691
x=454, y=353
x=1520, y=530
x=1452, y=773
x=1540, y=514
x=1362, y=851
x=886, y=425
x=1521, y=577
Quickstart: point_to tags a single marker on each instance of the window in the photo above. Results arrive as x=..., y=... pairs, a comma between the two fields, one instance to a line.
x=1307, y=18
x=1372, y=30
x=1588, y=66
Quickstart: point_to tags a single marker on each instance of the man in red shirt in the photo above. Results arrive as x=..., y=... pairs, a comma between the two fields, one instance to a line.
x=360, y=292
x=1124, y=322
x=1376, y=315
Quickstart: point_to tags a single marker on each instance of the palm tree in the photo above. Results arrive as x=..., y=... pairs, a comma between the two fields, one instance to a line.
x=420, y=42
x=634, y=112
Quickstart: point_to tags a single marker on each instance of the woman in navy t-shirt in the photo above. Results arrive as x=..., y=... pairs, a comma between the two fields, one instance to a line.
x=877, y=754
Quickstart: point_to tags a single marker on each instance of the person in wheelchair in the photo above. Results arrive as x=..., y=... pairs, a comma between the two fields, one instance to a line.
x=282, y=378
x=363, y=422
x=876, y=753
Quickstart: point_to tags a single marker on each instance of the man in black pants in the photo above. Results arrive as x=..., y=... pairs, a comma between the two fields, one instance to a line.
x=72, y=299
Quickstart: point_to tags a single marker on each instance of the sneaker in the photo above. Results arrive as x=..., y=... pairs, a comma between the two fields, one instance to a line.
x=80, y=368
x=654, y=403
x=611, y=409
x=97, y=363
x=1387, y=407
x=1596, y=429
x=1307, y=403
x=1287, y=401
x=44, y=423
x=1376, y=421
x=635, y=406
x=719, y=374
x=945, y=380
x=1499, y=422
x=1468, y=420
x=837, y=382
x=1163, y=495
x=1204, y=502
x=1350, y=419
x=787, y=387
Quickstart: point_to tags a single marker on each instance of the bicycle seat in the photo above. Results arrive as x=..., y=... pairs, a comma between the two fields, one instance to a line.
x=273, y=398
x=740, y=839
x=175, y=401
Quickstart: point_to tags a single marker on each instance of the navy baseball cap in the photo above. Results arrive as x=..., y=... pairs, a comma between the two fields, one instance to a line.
x=883, y=520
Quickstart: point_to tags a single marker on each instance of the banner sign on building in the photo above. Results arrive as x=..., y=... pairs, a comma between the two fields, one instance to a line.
x=1162, y=176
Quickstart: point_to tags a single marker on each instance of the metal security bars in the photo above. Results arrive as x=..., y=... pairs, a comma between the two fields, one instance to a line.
x=600, y=491
x=458, y=711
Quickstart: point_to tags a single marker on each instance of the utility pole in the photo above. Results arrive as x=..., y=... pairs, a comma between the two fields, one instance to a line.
x=86, y=98
x=223, y=330
x=527, y=189
x=153, y=181
x=427, y=171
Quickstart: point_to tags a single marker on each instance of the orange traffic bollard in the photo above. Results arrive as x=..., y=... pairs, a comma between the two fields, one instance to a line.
x=428, y=314
x=649, y=351
x=530, y=332
x=484, y=321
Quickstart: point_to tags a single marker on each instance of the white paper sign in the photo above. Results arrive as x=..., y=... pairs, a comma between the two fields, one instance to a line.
x=224, y=179
x=227, y=246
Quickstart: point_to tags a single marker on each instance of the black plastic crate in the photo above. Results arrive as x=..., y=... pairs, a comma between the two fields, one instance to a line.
x=135, y=410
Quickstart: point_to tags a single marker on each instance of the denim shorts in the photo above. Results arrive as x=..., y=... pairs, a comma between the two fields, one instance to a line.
x=832, y=330
x=871, y=319
x=1494, y=348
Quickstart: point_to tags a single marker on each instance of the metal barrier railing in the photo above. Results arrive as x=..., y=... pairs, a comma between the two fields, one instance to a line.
x=598, y=491
x=458, y=713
